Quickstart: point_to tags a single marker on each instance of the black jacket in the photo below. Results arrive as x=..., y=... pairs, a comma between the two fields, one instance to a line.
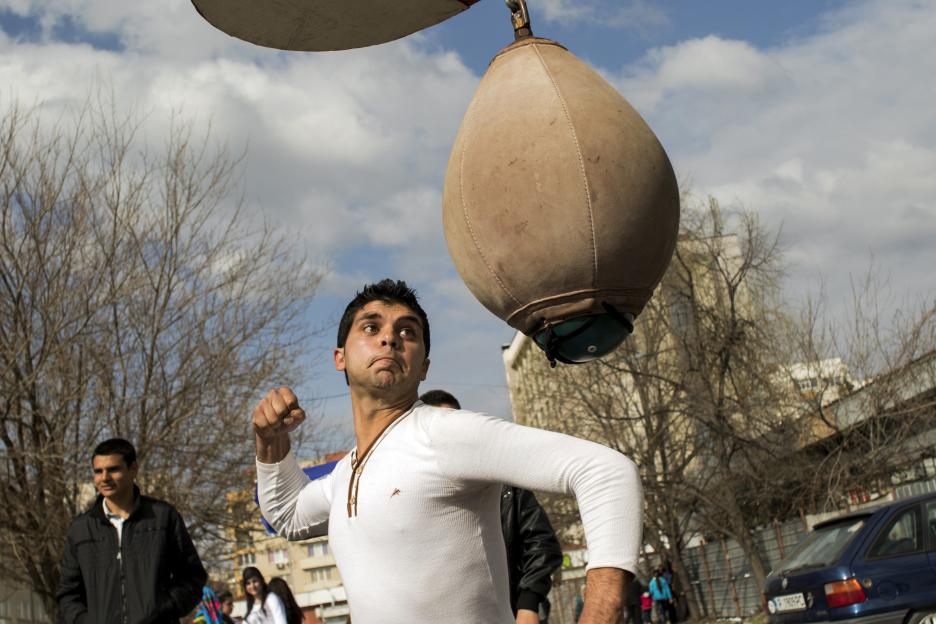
x=533, y=552
x=634, y=590
x=157, y=578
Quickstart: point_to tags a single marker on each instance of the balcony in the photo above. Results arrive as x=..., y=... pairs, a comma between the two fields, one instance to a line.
x=318, y=561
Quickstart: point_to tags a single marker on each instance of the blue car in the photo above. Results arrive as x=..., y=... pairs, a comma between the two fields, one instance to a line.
x=871, y=567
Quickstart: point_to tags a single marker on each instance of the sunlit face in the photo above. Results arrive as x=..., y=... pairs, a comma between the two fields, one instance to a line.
x=252, y=586
x=384, y=349
x=112, y=477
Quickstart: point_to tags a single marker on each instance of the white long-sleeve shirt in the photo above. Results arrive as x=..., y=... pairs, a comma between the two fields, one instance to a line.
x=271, y=611
x=417, y=538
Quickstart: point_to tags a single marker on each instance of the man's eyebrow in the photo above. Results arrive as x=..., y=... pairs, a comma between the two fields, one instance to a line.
x=370, y=316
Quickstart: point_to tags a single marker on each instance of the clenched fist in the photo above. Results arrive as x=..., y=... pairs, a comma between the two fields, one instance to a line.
x=276, y=415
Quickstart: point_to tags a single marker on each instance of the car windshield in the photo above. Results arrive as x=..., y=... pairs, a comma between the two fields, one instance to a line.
x=823, y=546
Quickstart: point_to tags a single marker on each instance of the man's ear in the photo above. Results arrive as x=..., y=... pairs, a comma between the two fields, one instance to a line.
x=425, y=371
x=134, y=469
x=338, y=355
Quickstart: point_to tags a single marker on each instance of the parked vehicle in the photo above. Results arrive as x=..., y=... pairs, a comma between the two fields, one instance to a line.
x=876, y=566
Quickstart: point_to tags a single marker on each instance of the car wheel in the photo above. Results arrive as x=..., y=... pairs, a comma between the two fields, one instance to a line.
x=923, y=617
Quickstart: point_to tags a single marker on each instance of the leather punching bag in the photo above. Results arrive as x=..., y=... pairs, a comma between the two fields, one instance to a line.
x=560, y=207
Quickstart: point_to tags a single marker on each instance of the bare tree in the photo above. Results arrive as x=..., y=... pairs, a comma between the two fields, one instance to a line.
x=135, y=301
x=727, y=279
x=870, y=422
x=693, y=393
x=728, y=401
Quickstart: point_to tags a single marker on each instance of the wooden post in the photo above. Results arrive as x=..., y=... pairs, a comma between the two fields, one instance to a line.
x=734, y=589
x=779, y=534
x=710, y=604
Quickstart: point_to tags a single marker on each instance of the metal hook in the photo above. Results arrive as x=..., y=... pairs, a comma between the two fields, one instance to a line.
x=520, y=17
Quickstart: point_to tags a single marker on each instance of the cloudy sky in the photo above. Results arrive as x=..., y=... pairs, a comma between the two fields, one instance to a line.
x=819, y=115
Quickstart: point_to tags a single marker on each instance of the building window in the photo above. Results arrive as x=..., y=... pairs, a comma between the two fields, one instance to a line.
x=246, y=559
x=278, y=556
x=321, y=574
x=318, y=549
x=681, y=314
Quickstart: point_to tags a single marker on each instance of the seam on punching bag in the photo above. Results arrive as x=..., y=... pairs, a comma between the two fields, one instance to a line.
x=469, y=126
x=578, y=154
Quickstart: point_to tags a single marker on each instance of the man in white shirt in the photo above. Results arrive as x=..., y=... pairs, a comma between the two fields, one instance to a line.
x=413, y=512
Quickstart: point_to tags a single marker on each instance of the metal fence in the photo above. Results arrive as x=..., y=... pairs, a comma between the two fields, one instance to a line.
x=563, y=596
x=720, y=573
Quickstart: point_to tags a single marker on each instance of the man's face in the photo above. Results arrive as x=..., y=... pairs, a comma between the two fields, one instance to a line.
x=384, y=350
x=227, y=607
x=112, y=476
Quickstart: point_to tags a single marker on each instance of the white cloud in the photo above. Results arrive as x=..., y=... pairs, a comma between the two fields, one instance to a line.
x=343, y=147
x=831, y=136
x=345, y=150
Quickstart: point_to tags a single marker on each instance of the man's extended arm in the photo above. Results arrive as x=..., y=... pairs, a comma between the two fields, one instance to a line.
x=472, y=448
x=71, y=595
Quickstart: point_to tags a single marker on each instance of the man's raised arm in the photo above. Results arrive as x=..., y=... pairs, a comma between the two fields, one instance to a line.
x=288, y=500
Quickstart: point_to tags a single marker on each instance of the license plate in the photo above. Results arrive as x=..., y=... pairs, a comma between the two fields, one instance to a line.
x=789, y=602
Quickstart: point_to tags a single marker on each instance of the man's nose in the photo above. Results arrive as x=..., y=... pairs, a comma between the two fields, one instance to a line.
x=389, y=338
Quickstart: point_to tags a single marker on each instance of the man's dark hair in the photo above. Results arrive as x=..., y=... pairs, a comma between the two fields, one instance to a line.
x=388, y=291
x=438, y=398
x=224, y=595
x=116, y=446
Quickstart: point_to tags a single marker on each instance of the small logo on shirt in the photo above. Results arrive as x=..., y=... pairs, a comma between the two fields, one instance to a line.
x=396, y=492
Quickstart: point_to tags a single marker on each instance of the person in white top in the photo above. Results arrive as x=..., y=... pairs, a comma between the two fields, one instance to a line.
x=263, y=606
x=413, y=511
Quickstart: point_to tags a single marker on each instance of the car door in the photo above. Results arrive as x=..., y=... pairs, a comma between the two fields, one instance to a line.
x=930, y=527
x=896, y=571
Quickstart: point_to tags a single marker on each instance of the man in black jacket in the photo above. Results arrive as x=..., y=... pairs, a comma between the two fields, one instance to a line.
x=533, y=552
x=128, y=559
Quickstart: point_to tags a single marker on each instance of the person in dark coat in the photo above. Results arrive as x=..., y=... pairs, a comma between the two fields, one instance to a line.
x=129, y=557
x=632, y=601
x=533, y=552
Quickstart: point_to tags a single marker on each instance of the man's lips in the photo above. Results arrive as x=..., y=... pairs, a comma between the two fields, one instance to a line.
x=384, y=358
